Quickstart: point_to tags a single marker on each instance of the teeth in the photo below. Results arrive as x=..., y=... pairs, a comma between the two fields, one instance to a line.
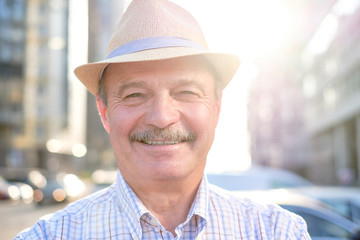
x=162, y=142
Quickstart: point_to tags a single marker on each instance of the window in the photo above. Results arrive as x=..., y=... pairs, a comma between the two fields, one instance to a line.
x=18, y=10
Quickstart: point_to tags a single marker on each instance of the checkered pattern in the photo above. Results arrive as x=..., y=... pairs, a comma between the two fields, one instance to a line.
x=116, y=213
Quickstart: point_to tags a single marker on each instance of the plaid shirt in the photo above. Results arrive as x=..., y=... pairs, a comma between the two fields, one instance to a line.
x=116, y=213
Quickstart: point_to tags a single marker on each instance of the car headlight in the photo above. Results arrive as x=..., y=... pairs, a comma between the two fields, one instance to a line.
x=14, y=192
x=59, y=195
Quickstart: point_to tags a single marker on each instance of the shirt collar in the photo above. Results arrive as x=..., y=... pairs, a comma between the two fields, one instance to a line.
x=134, y=208
x=200, y=205
x=131, y=205
x=201, y=201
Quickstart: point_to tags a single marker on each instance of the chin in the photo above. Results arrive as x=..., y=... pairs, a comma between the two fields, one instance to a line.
x=175, y=173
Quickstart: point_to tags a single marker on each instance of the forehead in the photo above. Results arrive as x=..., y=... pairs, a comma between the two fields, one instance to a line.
x=186, y=67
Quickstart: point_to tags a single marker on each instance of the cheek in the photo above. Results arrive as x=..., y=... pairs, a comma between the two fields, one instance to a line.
x=122, y=122
x=203, y=120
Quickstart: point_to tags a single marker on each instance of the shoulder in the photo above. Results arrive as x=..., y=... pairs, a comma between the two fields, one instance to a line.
x=265, y=217
x=75, y=215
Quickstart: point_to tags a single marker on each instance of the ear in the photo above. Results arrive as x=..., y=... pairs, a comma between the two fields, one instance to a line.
x=103, y=113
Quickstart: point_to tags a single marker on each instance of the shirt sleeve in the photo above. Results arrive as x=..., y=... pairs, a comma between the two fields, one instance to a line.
x=295, y=225
x=38, y=231
x=301, y=228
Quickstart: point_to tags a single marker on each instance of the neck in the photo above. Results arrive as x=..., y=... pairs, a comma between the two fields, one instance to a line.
x=168, y=201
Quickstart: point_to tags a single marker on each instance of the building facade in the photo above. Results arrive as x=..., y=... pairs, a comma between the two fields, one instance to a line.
x=331, y=84
x=47, y=119
x=275, y=119
x=45, y=80
x=37, y=84
x=278, y=130
x=103, y=17
x=12, y=72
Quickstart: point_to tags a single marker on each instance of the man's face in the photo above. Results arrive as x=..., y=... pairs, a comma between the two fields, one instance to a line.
x=161, y=117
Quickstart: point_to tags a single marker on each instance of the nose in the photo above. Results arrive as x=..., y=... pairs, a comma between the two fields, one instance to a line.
x=162, y=112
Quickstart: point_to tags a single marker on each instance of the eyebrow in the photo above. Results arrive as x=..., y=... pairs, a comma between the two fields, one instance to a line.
x=127, y=85
x=142, y=84
x=191, y=82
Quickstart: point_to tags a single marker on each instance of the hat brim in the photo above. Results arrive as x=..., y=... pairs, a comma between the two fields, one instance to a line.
x=225, y=64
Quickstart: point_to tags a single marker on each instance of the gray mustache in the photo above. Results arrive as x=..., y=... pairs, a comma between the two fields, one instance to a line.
x=165, y=134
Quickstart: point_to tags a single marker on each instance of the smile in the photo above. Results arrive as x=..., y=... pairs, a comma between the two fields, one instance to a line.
x=162, y=137
x=161, y=142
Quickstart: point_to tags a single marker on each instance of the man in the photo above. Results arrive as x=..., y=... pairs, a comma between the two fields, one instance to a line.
x=159, y=96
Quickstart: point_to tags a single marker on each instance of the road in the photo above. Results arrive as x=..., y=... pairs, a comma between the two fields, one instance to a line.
x=15, y=217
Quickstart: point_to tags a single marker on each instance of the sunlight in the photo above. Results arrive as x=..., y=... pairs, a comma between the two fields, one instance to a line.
x=247, y=28
x=323, y=37
x=261, y=30
x=252, y=30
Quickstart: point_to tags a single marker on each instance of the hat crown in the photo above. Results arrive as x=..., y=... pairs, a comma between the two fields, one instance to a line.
x=155, y=18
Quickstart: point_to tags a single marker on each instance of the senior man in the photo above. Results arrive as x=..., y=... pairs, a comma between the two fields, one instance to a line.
x=158, y=94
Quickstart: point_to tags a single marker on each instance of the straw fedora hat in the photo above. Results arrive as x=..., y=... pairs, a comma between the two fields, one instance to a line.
x=156, y=30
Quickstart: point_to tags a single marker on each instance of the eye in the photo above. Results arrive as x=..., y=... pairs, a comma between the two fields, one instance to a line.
x=187, y=95
x=133, y=98
x=188, y=92
x=134, y=95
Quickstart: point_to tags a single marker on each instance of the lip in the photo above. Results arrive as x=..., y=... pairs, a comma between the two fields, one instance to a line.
x=162, y=137
x=161, y=145
x=160, y=154
x=161, y=142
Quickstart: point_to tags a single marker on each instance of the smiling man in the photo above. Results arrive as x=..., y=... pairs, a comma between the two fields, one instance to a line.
x=161, y=117
x=158, y=94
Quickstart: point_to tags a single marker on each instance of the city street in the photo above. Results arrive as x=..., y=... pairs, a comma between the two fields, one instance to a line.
x=18, y=216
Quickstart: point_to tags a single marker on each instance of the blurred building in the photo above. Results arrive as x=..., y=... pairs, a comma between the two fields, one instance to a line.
x=275, y=118
x=331, y=85
x=46, y=118
x=36, y=83
x=276, y=105
x=12, y=47
x=103, y=17
x=46, y=83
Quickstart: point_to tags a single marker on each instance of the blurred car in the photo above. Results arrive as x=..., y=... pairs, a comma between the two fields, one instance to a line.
x=344, y=200
x=16, y=191
x=55, y=187
x=322, y=222
x=258, y=178
x=4, y=189
x=25, y=192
